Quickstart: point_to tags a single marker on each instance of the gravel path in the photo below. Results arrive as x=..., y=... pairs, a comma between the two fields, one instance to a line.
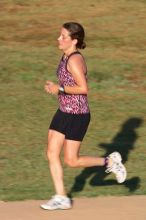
x=100, y=208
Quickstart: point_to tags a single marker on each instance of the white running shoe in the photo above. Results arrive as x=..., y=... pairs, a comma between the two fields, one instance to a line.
x=57, y=202
x=117, y=167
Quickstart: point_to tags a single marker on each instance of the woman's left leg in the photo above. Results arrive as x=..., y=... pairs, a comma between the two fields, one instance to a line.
x=113, y=162
x=73, y=159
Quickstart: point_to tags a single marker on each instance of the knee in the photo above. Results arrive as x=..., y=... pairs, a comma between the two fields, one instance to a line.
x=51, y=156
x=70, y=162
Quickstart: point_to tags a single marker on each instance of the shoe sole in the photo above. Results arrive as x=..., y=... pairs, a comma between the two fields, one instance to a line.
x=125, y=174
x=58, y=208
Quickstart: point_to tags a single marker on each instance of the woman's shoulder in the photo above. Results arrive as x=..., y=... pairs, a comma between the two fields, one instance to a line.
x=77, y=62
x=75, y=57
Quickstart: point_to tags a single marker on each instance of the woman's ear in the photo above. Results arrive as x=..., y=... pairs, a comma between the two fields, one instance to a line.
x=75, y=41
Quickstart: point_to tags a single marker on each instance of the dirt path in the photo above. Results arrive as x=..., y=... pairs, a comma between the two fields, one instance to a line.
x=102, y=208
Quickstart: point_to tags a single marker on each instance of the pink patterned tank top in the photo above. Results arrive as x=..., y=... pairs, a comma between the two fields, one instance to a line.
x=70, y=103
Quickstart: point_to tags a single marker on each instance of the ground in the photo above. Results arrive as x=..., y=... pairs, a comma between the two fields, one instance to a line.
x=111, y=208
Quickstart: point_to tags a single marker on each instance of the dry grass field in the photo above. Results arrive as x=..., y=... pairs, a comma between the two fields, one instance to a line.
x=116, y=59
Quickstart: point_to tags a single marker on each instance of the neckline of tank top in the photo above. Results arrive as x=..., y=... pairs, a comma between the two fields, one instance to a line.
x=64, y=57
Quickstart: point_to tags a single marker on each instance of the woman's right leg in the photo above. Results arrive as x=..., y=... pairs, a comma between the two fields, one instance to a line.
x=60, y=200
x=55, y=144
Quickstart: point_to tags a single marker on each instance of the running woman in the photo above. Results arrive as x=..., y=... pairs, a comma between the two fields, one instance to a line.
x=72, y=118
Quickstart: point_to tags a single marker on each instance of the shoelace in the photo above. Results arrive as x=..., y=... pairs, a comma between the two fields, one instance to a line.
x=114, y=167
x=52, y=201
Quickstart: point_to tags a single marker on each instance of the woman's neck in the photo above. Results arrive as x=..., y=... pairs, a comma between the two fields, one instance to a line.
x=68, y=52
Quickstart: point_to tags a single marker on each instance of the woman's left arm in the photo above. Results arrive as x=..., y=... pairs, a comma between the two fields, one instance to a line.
x=77, y=67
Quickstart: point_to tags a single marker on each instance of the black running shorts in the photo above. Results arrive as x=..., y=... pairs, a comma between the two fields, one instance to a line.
x=73, y=126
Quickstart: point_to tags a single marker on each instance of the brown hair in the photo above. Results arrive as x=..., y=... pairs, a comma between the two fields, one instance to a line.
x=76, y=32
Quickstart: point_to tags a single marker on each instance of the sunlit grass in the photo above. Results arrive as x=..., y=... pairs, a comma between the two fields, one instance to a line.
x=115, y=55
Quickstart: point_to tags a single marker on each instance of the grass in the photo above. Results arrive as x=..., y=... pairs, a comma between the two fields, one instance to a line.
x=115, y=56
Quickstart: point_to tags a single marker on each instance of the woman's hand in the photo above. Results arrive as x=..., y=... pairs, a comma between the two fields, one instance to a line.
x=51, y=88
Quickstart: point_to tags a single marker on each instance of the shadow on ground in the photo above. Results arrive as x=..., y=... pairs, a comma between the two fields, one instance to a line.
x=124, y=143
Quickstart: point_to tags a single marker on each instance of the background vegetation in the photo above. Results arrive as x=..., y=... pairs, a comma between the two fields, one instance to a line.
x=116, y=59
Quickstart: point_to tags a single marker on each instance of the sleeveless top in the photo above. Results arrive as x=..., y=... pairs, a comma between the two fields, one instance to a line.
x=70, y=103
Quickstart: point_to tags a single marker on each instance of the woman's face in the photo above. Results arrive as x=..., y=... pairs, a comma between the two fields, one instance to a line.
x=64, y=41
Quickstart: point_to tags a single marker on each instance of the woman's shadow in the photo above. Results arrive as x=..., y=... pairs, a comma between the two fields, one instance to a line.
x=123, y=142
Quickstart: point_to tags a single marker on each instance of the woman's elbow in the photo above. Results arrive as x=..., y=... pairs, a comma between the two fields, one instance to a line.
x=85, y=91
